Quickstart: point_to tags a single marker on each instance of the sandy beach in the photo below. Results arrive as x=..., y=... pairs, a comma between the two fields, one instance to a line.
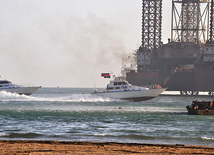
x=21, y=147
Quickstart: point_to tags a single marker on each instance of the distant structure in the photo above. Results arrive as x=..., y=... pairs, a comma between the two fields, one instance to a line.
x=151, y=24
x=191, y=23
x=211, y=39
x=151, y=32
x=186, y=62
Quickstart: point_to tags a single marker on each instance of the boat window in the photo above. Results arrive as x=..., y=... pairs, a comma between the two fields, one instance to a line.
x=4, y=82
x=120, y=83
x=124, y=83
x=117, y=83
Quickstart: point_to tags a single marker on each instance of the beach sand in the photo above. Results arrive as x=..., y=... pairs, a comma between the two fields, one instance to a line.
x=20, y=147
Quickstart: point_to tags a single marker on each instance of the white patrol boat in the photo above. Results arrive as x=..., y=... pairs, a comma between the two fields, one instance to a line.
x=8, y=86
x=121, y=89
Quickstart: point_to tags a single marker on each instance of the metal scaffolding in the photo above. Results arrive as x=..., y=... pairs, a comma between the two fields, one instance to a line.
x=212, y=21
x=191, y=24
x=151, y=24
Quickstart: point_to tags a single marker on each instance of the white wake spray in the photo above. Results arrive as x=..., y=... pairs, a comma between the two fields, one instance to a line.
x=7, y=96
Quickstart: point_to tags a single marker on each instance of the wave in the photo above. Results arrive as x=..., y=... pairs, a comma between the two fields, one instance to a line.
x=207, y=138
x=20, y=135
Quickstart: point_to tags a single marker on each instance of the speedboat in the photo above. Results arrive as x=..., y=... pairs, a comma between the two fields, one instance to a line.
x=121, y=89
x=8, y=86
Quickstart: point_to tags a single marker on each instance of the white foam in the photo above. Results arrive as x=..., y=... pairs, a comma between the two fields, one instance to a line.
x=88, y=98
x=3, y=134
x=98, y=135
x=207, y=138
x=7, y=96
x=13, y=96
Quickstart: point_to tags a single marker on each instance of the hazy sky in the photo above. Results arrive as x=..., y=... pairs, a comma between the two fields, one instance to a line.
x=69, y=43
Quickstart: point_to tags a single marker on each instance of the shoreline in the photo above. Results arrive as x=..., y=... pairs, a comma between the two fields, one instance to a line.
x=75, y=147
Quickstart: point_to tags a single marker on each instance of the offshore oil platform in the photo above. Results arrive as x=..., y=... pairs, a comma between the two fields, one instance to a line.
x=186, y=62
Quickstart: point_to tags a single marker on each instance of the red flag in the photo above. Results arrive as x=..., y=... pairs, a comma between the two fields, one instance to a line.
x=105, y=75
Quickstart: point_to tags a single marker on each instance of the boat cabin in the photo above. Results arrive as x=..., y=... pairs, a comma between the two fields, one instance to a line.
x=5, y=83
x=120, y=85
x=117, y=85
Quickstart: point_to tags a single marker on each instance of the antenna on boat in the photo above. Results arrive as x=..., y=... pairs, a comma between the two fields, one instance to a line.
x=95, y=90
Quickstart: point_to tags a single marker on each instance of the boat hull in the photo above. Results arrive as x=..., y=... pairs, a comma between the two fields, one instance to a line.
x=21, y=90
x=137, y=95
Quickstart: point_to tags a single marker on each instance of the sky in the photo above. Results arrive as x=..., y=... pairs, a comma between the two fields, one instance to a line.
x=69, y=43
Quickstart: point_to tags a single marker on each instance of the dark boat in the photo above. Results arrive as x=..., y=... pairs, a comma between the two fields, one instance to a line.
x=201, y=108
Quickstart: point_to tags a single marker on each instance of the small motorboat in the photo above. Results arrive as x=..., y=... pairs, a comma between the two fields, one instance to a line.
x=201, y=108
x=8, y=86
x=121, y=89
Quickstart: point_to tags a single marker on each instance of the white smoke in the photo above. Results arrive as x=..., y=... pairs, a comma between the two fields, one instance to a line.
x=59, y=43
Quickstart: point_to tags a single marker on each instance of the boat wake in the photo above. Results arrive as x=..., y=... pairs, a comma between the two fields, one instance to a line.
x=80, y=103
x=7, y=96
x=88, y=98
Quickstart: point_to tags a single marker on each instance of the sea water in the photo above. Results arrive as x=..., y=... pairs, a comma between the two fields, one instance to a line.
x=74, y=114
